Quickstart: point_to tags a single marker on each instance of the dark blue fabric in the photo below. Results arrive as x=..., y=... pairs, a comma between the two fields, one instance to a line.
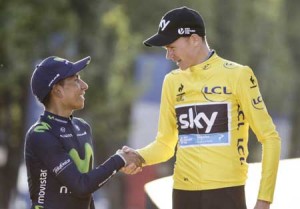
x=54, y=176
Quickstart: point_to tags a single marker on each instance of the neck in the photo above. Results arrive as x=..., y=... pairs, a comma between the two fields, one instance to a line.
x=206, y=53
x=59, y=111
x=202, y=56
x=209, y=54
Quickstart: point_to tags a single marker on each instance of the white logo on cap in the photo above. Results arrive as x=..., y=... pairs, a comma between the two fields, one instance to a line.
x=180, y=31
x=185, y=31
x=59, y=59
x=163, y=24
x=57, y=75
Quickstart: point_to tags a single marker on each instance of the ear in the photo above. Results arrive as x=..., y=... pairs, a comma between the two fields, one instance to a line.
x=57, y=91
x=196, y=39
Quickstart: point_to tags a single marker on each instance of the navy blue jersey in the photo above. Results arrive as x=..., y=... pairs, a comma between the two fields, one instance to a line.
x=59, y=159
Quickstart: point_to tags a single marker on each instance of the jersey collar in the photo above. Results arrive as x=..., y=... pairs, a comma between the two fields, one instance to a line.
x=52, y=117
x=206, y=64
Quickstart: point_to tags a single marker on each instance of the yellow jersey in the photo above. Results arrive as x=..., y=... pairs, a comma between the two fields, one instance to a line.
x=205, y=113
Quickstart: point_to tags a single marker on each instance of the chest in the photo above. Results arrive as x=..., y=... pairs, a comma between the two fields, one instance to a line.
x=203, y=89
x=204, y=108
x=74, y=138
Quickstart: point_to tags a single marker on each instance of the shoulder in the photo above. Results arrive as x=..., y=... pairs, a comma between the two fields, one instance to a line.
x=231, y=65
x=175, y=72
x=234, y=69
x=238, y=74
x=39, y=134
x=173, y=75
x=39, y=127
x=171, y=78
x=81, y=122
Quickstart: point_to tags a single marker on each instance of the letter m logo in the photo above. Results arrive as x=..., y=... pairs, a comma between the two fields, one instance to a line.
x=85, y=164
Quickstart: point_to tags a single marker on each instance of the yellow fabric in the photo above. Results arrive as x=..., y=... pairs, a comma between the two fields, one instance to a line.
x=206, y=111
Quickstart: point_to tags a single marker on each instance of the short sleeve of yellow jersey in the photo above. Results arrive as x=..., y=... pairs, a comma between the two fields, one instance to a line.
x=163, y=148
x=262, y=125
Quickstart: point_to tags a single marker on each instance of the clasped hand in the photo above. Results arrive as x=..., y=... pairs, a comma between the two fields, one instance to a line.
x=133, y=160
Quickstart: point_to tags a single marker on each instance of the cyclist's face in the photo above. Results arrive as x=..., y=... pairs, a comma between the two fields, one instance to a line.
x=182, y=52
x=73, y=90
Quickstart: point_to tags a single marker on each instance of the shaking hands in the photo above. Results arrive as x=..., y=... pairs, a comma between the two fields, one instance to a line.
x=133, y=160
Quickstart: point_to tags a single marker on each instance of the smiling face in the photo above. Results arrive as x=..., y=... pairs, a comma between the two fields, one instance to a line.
x=71, y=93
x=186, y=51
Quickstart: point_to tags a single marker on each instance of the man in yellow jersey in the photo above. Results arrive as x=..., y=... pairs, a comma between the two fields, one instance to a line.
x=207, y=106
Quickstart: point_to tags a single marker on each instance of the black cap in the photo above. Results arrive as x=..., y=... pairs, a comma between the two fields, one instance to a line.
x=179, y=22
x=50, y=71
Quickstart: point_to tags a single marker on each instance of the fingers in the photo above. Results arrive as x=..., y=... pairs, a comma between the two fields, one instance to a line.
x=132, y=155
x=131, y=169
x=126, y=149
x=133, y=160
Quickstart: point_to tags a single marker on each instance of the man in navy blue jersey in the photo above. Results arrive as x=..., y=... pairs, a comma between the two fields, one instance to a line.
x=58, y=148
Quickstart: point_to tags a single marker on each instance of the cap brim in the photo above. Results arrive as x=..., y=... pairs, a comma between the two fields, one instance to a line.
x=160, y=40
x=79, y=65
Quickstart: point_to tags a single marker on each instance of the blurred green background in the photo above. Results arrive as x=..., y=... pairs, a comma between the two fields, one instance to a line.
x=263, y=34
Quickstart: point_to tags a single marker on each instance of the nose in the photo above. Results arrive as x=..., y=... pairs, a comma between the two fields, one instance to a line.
x=84, y=85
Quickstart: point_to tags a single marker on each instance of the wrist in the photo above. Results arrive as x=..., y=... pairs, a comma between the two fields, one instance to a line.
x=264, y=201
x=121, y=156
